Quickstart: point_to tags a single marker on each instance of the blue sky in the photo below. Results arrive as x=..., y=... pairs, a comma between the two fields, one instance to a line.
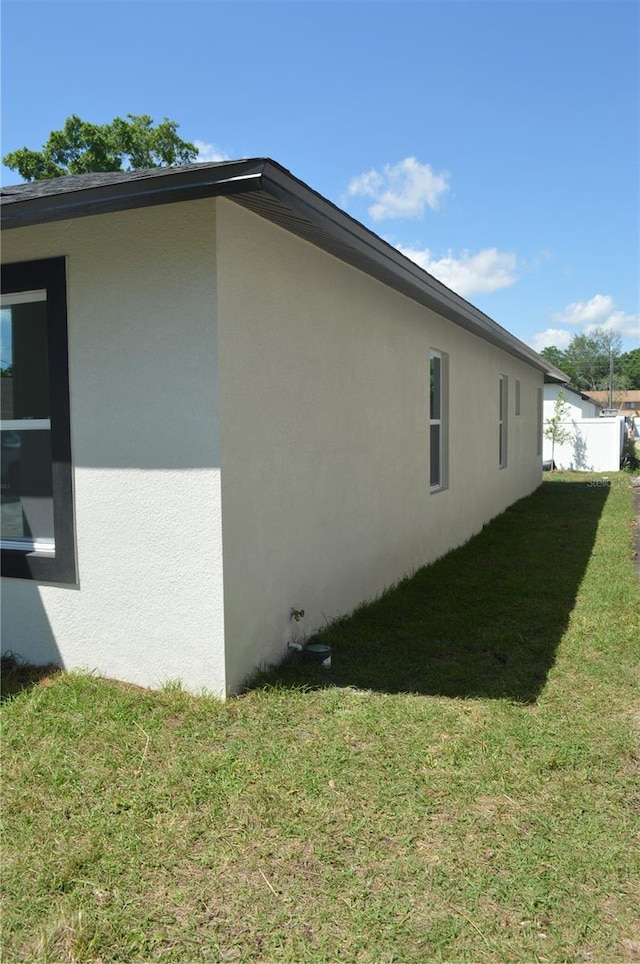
x=496, y=143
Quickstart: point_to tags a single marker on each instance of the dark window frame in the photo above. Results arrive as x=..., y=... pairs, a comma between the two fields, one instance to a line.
x=50, y=274
x=441, y=422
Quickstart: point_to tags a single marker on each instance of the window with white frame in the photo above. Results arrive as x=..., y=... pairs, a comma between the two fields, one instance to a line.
x=438, y=420
x=36, y=537
x=518, y=393
x=503, y=421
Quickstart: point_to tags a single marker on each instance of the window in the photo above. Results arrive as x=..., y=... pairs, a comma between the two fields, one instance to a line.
x=503, y=420
x=37, y=538
x=539, y=409
x=438, y=420
x=517, y=396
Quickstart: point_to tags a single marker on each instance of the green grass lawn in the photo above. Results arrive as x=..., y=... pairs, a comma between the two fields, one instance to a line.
x=460, y=786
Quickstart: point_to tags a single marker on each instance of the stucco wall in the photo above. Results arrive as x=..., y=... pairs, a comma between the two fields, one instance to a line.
x=145, y=442
x=323, y=443
x=324, y=433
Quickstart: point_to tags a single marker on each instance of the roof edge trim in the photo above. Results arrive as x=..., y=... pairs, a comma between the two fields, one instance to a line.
x=333, y=229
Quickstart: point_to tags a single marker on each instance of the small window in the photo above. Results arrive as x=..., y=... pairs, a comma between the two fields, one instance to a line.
x=503, y=423
x=518, y=396
x=37, y=537
x=438, y=420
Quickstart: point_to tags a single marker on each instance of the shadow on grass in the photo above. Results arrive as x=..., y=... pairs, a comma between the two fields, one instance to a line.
x=483, y=621
x=16, y=675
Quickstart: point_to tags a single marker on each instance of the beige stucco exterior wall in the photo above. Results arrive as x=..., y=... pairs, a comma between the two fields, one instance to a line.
x=324, y=436
x=145, y=443
x=314, y=434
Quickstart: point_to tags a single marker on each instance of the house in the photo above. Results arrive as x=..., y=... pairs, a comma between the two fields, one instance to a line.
x=229, y=401
x=578, y=404
x=625, y=403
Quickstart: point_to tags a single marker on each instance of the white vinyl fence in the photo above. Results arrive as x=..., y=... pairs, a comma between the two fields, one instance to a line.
x=596, y=445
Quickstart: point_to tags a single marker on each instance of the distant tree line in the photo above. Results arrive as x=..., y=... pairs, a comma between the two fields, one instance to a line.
x=587, y=362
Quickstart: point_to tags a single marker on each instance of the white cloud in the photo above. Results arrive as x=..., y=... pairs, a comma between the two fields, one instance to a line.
x=209, y=152
x=585, y=316
x=625, y=325
x=401, y=190
x=551, y=336
x=582, y=313
x=480, y=273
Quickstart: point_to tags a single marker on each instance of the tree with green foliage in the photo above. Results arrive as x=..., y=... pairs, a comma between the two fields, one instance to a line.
x=555, y=356
x=555, y=429
x=629, y=365
x=589, y=357
x=81, y=147
x=587, y=360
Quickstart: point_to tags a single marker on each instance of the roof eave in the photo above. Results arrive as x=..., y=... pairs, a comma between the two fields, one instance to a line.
x=136, y=193
x=395, y=268
x=267, y=187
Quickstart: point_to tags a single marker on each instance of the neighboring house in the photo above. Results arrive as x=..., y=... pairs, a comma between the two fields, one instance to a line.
x=625, y=403
x=229, y=400
x=579, y=405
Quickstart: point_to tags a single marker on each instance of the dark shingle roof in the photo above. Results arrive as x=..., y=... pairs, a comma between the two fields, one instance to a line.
x=85, y=182
x=272, y=192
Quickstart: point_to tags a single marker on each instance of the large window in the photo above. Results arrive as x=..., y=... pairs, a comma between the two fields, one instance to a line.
x=438, y=420
x=539, y=413
x=503, y=421
x=37, y=508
